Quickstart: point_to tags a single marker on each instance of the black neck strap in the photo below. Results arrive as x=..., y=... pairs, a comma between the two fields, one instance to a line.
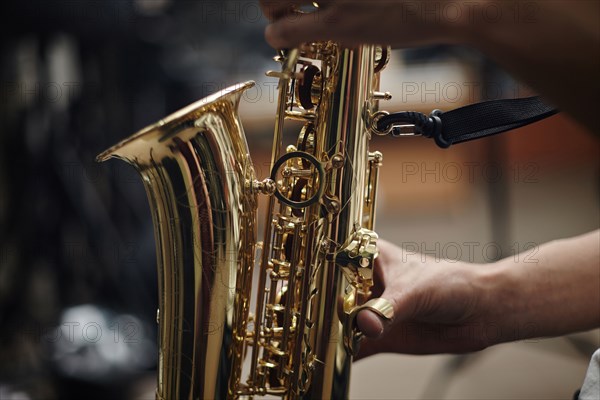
x=470, y=122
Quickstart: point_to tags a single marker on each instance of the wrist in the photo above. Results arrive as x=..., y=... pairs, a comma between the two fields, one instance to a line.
x=501, y=316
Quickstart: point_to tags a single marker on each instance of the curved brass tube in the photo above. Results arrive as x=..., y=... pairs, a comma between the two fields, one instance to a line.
x=195, y=165
x=315, y=267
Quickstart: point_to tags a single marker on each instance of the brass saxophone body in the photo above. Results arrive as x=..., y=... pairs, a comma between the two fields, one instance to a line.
x=294, y=336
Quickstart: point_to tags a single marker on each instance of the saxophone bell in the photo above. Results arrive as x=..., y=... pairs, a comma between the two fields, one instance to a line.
x=318, y=245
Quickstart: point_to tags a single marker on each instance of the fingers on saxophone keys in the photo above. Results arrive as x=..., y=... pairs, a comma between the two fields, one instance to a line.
x=288, y=33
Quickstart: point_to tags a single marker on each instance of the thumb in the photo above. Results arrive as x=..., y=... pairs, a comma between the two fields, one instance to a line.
x=374, y=318
x=370, y=324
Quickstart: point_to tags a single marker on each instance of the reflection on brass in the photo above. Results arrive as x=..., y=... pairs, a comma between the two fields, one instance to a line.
x=382, y=307
x=294, y=336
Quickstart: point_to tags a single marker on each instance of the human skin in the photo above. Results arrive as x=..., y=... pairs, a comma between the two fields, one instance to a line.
x=445, y=307
x=551, y=45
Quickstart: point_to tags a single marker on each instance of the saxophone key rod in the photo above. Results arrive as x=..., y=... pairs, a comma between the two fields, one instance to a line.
x=218, y=338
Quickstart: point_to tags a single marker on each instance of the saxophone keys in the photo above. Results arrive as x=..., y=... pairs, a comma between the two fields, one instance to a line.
x=332, y=204
x=382, y=96
x=278, y=74
x=299, y=115
x=337, y=161
x=266, y=186
x=288, y=172
x=382, y=57
x=310, y=87
x=375, y=159
x=318, y=172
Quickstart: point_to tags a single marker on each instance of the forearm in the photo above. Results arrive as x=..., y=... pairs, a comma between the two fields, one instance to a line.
x=554, y=292
x=550, y=45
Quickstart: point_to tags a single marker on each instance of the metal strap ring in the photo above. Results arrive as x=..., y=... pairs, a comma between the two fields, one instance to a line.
x=375, y=119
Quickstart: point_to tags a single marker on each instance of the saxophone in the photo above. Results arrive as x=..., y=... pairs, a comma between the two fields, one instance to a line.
x=295, y=336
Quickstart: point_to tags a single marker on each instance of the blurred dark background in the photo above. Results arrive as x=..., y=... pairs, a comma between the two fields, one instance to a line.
x=77, y=261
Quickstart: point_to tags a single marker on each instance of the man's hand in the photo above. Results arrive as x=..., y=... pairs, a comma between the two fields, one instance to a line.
x=437, y=305
x=548, y=44
x=455, y=307
x=352, y=22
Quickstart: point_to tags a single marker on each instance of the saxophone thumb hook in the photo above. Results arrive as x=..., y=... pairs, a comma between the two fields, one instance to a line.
x=352, y=336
